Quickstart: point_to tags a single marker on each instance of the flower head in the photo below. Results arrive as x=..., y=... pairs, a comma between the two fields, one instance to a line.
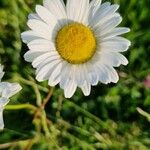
x=6, y=91
x=76, y=45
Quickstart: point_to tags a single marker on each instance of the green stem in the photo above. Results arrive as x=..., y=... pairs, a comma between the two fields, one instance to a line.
x=20, y=106
x=85, y=112
x=44, y=123
x=31, y=83
x=37, y=93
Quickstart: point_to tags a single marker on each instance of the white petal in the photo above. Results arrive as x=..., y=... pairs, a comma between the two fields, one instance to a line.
x=30, y=35
x=93, y=7
x=113, y=59
x=103, y=14
x=54, y=78
x=113, y=74
x=86, y=88
x=41, y=28
x=104, y=6
x=70, y=88
x=29, y=56
x=56, y=7
x=3, y=101
x=1, y=118
x=43, y=73
x=103, y=73
x=46, y=16
x=11, y=90
x=98, y=8
x=92, y=74
x=115, y=32
x=41, y=45
x=79, y=74
x=115, y=45
x=65, y=74
x=108, y=25
x=77, y=10
x=3, y=86
x=33, y=16
x=50, y=59
x=37, y=61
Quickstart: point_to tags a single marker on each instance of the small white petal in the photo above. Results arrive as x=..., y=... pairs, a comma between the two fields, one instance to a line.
x=77, y=10
x=11, y=90
x=103, y=73
x=86, y=88
x=108, y=25
x=93, y=7
x=33, y=16
x=37, y=61
x=1, y=118
x=40, y=28
x=97, y=10
x=29, y=56
x=113, y=74
x=4, y=101
x=113, y=59
x=46, y=16
x=70, y=88
x=28, y=36
x=65, y=74
x=92, y=73
x=115, y=32
x=103, y=14
x=54, y=78
x=79, y=74
x=56, y=7
x=44, y=72
x=41, y=45
x=54, y=57
x=115, y=45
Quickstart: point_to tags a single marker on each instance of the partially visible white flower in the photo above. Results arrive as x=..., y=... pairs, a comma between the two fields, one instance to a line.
x=6, y=91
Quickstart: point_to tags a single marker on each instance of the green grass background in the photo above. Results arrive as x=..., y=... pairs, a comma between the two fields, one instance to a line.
x=106, y=120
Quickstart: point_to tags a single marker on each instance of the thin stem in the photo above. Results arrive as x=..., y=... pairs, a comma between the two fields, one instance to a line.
x=44, y=123
x=31, y=83
x=45, y=101
x=96, y=119
x=143, y=113
x=7, y=145
x=21, y=106
x=59, y=107
x=37, y=93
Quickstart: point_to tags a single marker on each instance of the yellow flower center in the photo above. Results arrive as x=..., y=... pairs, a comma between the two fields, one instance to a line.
x=76, y=43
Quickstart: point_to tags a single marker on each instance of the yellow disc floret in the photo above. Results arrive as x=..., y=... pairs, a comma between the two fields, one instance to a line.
x=76, y=43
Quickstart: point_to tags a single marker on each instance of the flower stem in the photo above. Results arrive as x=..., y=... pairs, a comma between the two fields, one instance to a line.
x=21, y=106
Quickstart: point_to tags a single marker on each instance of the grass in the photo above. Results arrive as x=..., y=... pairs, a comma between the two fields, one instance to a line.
x=113, y=117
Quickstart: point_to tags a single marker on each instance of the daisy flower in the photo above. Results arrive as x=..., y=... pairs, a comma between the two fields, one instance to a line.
x=77, y=45
x=6, y=91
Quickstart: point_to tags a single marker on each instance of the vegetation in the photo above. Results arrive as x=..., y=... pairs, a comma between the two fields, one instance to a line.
x=113, y=117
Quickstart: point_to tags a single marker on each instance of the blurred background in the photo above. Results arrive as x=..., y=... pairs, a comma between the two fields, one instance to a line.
x=113, y=117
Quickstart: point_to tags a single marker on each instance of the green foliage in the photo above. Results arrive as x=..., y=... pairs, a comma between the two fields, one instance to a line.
x=106, y=120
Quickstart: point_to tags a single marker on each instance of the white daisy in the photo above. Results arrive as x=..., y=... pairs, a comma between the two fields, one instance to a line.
x=76, y=45
x=6, y=91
